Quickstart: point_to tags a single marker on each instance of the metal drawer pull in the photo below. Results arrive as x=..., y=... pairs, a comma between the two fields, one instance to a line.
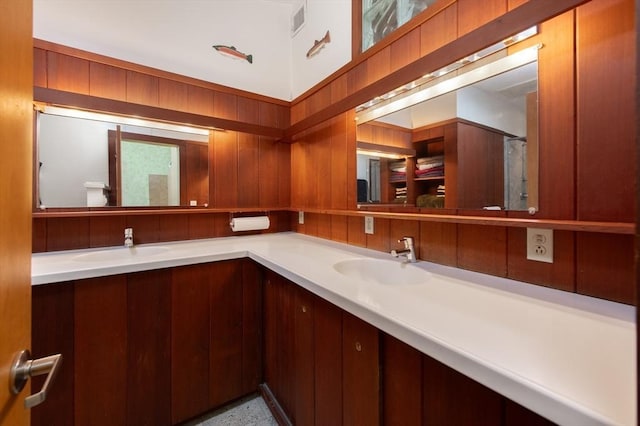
x=22, y=368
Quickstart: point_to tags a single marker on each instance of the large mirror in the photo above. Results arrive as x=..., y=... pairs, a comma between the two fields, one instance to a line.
x=87, y=159
x=473, y=128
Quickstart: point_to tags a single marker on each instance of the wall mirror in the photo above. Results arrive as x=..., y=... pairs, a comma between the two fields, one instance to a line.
x=87, y=159
x=473, y=128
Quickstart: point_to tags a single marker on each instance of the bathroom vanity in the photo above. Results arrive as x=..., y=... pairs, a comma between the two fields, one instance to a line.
x=331, y=333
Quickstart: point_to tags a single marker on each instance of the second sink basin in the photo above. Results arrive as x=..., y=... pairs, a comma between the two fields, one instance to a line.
x=381, y=271
x=121, y=253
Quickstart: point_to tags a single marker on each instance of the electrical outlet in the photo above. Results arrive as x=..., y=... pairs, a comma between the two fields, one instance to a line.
x=540, y=244
x=368, y=225
x=301, y=218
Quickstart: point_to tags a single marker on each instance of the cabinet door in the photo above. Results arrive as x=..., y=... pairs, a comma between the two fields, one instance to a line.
x=328, y=363
x=252, y=333
x=361, y=372
x=402, y=383
x=303, y=357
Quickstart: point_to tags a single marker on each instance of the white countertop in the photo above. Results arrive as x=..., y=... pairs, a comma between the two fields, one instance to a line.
x=569, y=357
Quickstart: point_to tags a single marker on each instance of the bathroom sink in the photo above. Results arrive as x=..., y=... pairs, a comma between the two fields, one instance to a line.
x=123, y=253
x=381, y=271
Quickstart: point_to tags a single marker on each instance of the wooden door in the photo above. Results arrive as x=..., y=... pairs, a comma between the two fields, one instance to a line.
x=16, y=96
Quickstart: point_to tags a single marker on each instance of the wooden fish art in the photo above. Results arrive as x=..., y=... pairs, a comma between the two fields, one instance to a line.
x=319, y=44
x=232, y=52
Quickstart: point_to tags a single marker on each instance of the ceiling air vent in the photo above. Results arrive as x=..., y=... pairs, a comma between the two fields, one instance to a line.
x=298, y=18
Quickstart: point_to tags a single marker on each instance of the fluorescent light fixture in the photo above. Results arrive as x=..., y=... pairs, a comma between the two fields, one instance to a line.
x=124, y=120
x=380, y=154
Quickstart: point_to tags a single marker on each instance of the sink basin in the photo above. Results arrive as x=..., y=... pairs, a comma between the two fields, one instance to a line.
x=120, y=254
x=381, y=271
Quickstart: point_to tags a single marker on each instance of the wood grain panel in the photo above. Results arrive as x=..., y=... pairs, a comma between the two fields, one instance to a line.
x=106, y=231
x=39, y=235
x=605, y=267
x=197, y=163
x=142, y=89
x=606, y=127
x=225, y=175
x=201, y=226
x=225, y=105
x=39, y=67
x=322, y=165
x=512, y=4
x=67, y=73
x=271, y=115
x=361, y=386
x=248, y=110
x=149, y=353
x=268, y=176
x=439, y=30
x=356, y=235
x=173, y=227
x=225, y=347
x=451, y=398
x=146, y=229
x=284, y=175
x=339, y=228
x=380, y=239
x=67, y=233
x=560, y=274
x=199, y=100
x=252, y=321
x=438, y=243
x=339, y=88
x=100, y=352
x=357, y=78
x=52, y=333
x=483, y=249
x=405, y=50
x=324, y=226
x=402, y=379
x=106, y=81
x=379, y=65
x=319, y=100
x=190, y=340
x=249, y=178
x=303, y=356
x=473, y=14
x=173, y=95
x=328, y=363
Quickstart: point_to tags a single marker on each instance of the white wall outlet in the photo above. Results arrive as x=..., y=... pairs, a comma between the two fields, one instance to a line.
x=540, y=244
x=368, y=225
x=193, y=203
x=301, y=218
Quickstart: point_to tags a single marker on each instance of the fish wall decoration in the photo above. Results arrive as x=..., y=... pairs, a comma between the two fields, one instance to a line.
x=232, y=52
x=319, y=44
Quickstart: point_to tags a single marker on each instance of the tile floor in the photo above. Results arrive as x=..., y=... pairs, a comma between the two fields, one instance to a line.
x=250, y=411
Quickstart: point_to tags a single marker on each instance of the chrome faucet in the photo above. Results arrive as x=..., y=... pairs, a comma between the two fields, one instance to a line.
x=128, y=237
x=409, y=250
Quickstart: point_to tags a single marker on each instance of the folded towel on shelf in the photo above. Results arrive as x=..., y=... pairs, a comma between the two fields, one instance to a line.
x=430, y=201
x=429, y=160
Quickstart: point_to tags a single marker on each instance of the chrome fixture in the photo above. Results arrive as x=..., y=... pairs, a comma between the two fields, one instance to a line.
x=128, y=237
x=409, y=250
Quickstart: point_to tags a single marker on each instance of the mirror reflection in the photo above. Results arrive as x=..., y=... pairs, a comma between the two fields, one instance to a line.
x=474, y=133
x=97, y=160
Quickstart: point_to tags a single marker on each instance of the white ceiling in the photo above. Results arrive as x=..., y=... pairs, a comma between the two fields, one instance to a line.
x=178, y=35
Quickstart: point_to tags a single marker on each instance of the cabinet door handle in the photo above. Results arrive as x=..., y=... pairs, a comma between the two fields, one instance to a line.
x=23, y=367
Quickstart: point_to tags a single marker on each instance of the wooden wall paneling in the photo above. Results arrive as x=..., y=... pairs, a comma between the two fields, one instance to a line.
x=560, y=274
x=100, y=351
x=322, y=164
x=402, y=383
x=270, y=115
x=605, y=52
x=173, y=95
x=248, y=110
x=267, y=169
x=439, y=30
x=328, y=363
x=473, y=14
x=450, y=142
x=339, y=179
x=225, y=177
x=105, y=231
x=352, y=195
x=221, y=225
x=311, y=223
x=225, y=105
x=39, y=67
x=339, y=228
x=173, y=227
x=197, y=163
x=146, y=229
x=106, y=81
x=249, y=179
x=605, y=267
x=380, y=239
x=452, y=398
x=142, y=88
x=67, y=233
x=190, y=339
x=201, y=226
x=226, y=336
x=379, y=65
x=438, y=243
x=356, y=235
x=298, y=111
x=339, y=88
x=357, y=77
x=39, y=235
x=483, y=249
x=324, y=226
x=557, y=140
x=405, y=50
x=517, y=415
x=199, y=100
x=512, y=4
x=252, y=323
x=299, y=184
x=361, y=387
x=67, y=73
x=319, y=100
x=270, y=309
x=149, y=348
x=284, y=175
x=52, y=333
x=303, y=357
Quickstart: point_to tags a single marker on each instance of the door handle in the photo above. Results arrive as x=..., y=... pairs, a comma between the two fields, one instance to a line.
x=23, y=367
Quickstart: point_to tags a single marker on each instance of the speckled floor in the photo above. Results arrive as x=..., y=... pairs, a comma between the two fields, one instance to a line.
x=250, y=411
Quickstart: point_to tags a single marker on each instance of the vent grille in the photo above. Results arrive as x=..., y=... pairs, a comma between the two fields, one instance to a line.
x=298, y=19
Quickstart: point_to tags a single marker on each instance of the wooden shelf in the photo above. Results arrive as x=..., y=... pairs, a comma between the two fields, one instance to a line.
x=422, y=179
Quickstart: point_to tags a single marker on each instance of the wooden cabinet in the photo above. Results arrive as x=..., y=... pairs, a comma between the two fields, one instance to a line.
x=150, y=348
